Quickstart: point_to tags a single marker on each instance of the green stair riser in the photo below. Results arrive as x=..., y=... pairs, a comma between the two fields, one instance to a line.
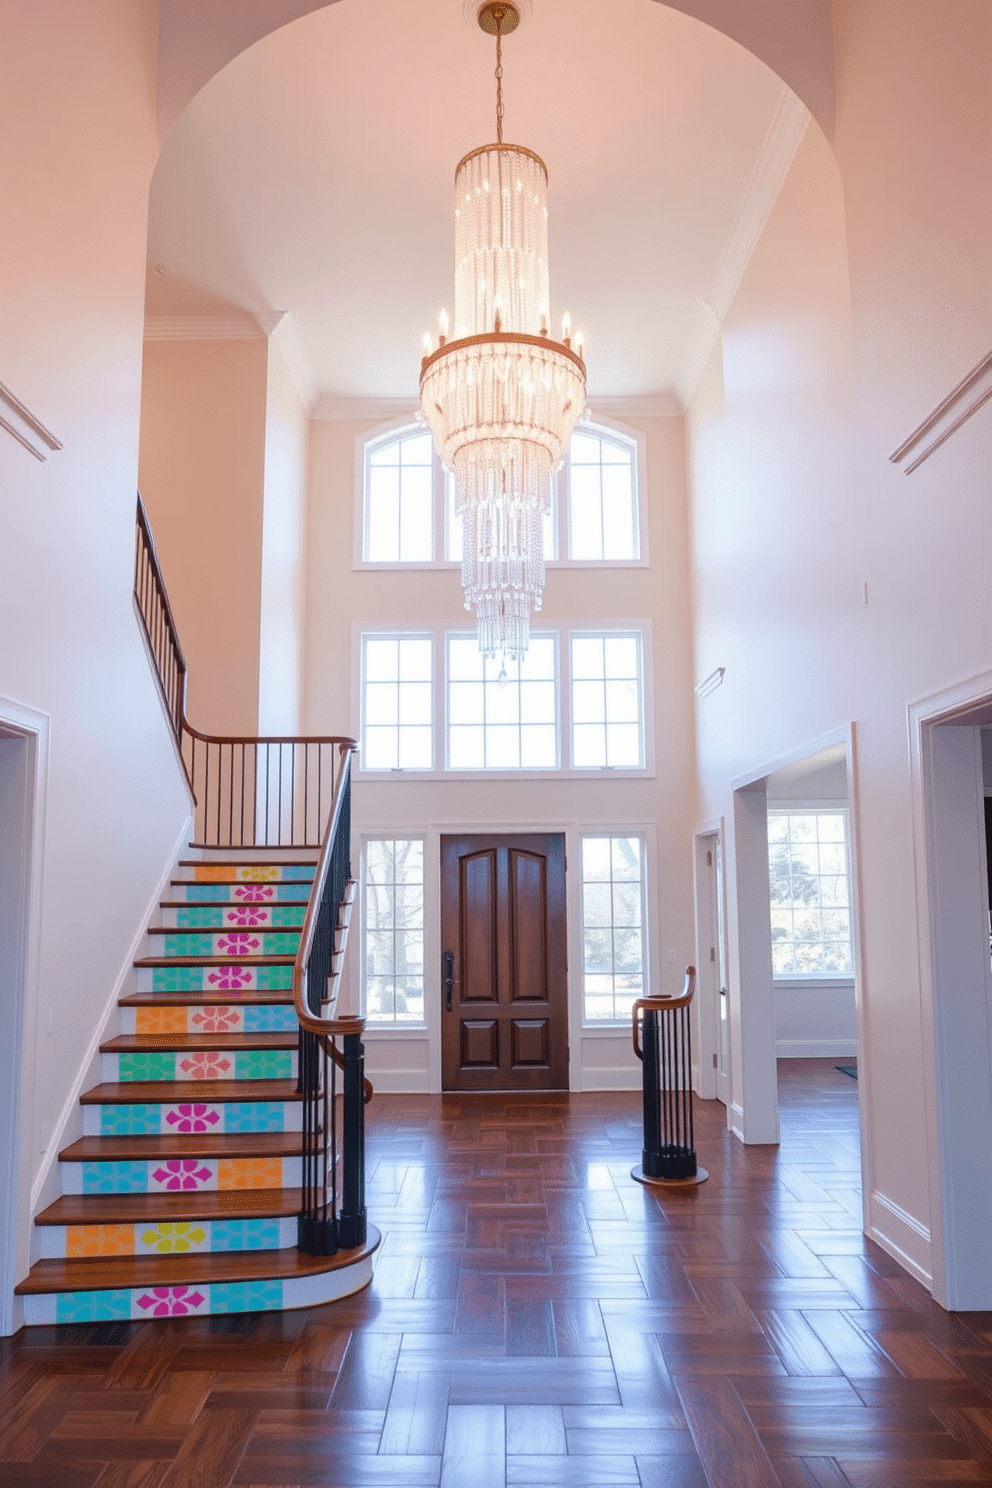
x=200, y=1064
x=191, y=1118
x=235, y=917
x=234, y=943
x=222, y=981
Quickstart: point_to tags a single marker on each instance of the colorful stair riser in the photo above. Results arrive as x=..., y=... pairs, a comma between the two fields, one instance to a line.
x=234, y=943
x=189, y=1118
x=235, y=894
x=181, y=1175
x=245, y=873
x=234, y=917
x=199, y=1064
x=187, y=1301
x=167, y=1237
x=227, y=981
x=253, y=1017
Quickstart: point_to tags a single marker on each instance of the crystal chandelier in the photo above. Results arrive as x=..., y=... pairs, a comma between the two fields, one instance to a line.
x=502, y=398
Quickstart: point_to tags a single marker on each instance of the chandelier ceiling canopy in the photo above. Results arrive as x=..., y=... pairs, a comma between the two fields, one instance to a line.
x=502, y=397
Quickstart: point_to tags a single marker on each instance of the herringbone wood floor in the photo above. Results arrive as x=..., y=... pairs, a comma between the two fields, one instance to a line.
x=539, y=1319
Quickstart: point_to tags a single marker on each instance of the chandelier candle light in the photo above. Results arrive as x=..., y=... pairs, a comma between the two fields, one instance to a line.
x=502, y=398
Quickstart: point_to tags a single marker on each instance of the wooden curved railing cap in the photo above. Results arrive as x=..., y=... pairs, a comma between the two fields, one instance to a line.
x=662, y=1004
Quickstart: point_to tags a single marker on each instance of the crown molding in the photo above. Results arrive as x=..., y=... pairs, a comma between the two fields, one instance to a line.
x=24, y=426
x=638, y=405
x=961, y=404
x=785, y=133
x=237, y=326
x=338, y=406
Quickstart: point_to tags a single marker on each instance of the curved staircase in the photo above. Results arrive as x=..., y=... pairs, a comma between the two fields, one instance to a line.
x=182, y=1195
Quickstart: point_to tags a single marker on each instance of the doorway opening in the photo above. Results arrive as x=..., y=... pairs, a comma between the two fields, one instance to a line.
x=504, y=1016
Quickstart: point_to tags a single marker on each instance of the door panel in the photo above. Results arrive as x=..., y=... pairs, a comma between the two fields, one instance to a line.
x=503, y=920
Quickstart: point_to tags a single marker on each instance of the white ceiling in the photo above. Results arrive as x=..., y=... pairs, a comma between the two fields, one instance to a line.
x=314, y=176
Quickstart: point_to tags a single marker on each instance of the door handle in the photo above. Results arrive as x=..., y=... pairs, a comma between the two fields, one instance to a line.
x=449, y=961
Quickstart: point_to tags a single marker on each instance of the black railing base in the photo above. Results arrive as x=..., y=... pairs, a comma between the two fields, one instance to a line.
x=699, y=1176
x=670, y=1162
x=353, y=1229
x=317, y=1237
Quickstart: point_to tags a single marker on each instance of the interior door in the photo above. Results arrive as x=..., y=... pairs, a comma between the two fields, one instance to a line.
x=504, y=1008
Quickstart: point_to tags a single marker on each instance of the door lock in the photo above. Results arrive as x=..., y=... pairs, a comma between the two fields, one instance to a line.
x=449, y=961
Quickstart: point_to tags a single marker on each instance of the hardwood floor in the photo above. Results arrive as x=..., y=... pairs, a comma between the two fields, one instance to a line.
x=537, y=1318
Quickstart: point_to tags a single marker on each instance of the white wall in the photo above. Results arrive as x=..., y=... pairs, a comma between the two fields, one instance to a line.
x=878, y=256
x=75, y=103
x=341, y=599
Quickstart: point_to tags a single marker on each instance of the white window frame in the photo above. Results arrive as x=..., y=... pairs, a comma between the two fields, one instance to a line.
x=603, y=633
x=555, y=636
x=387, y=633
x=409, y=423
x=648, y=870
x=824, y=979
x=386, y=1025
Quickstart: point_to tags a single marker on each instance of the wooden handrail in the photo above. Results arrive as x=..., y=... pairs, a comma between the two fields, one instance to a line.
x=663, y=1003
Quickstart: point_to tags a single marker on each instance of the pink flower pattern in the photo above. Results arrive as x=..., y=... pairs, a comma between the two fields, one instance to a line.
x=171, y=1301
x=238, y=943
x=180, y=1174
x=205, y=1066
x=254, y=893
x=196, y=1118
x=217, y=1020
x=243, y=915
x=230, y=978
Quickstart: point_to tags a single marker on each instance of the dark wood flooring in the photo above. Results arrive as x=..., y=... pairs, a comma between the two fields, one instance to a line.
x=539, y=1319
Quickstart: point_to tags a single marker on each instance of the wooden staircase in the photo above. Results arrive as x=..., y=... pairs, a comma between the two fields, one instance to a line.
x=182, y=1195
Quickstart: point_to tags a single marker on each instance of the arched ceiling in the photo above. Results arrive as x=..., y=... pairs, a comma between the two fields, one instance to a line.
x=313, y=175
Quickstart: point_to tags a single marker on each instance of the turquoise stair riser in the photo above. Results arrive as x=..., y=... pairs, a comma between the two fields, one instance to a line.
x=234, y=943
x=235, y=917
x=260, y=894
x=170, y=1175
x=200, y=1064
x=193, y=1118
x=252, y=1017
x=188, y=1301
x=190, y=1237
x=222, y=982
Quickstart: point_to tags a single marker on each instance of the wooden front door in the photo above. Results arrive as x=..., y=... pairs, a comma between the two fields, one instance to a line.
x=504, y=1018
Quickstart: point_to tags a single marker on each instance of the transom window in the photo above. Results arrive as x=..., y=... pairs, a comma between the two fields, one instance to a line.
x=613, y=931
x=393, y=931
x=502, y=716
x=397, y=702
x=408, y=503
x=810, y=893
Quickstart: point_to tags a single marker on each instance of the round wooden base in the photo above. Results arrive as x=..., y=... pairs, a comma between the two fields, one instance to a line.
x=700, y=1176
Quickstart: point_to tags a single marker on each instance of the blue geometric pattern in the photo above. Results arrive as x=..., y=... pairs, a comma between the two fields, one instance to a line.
x=188, y=945
x=92, y=1307
x=206, y=893
x=244, y=1234
x=130, y=1121
x=293, y=893
x=115, y=1177
x=297, y=872
x=272, y=1019
x=254, y=1116
x=246, y=1296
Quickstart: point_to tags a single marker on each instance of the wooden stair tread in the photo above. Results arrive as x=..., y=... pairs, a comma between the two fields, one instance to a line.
x=223, y=929
x=252, y=996
x=168, y=1145
x=234, y=904
x=100, y=1273
x=141, y=1208
x=254, y=861
x=188, y=1092
x=130, y=1043
x=249, y=961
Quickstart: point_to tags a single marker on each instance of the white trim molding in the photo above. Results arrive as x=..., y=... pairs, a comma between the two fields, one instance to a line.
x=961, y=404
x=902, y=1236
x=24, y=426
x=236, y=326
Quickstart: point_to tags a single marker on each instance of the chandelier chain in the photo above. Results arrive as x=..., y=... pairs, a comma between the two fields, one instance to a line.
x=498, y=18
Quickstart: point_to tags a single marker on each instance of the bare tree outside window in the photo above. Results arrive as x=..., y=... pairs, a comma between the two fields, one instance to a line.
x=393, y=894
x=810, y=893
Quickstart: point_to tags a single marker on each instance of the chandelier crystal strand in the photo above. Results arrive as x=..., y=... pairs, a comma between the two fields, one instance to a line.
x=502, y=398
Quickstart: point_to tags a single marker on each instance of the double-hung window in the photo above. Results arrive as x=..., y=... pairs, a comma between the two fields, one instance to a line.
x=398, y=515
x=602, y=505
x=397, y=701
x=393, y=931
x=810, y=892
x=607, y=701
x=502, y=716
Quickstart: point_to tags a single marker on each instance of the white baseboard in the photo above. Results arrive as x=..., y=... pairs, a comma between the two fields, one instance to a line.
x=816, y=1049
x=610, y=1077
x=901, y=1236
x=397, y=1082
x=737, y=1121
x=90, y=1060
